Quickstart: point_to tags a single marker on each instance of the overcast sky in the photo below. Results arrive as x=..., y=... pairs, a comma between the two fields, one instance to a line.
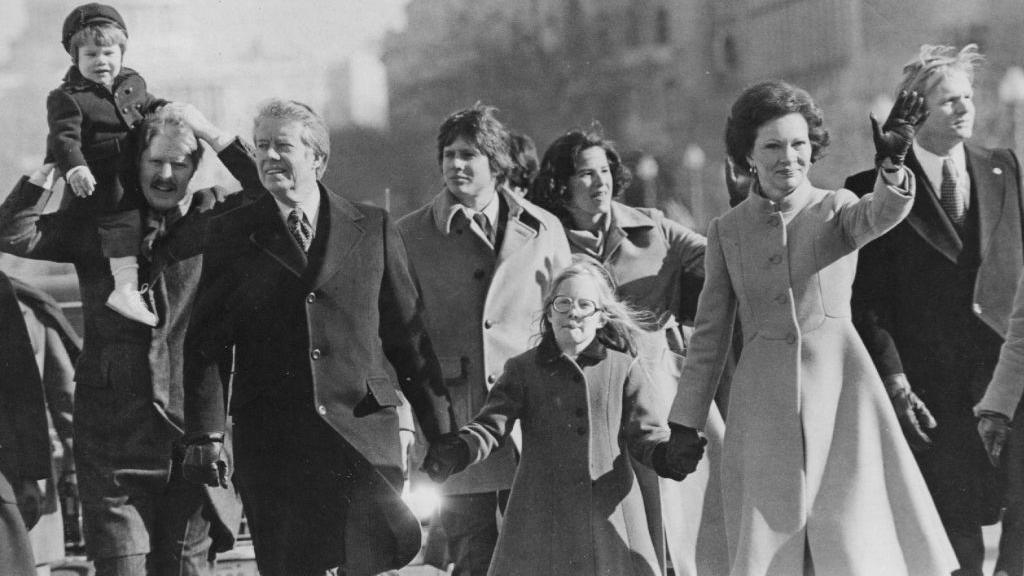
x=303, y=25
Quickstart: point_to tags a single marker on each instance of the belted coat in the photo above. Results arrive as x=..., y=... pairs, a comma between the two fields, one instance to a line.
x=814, y=463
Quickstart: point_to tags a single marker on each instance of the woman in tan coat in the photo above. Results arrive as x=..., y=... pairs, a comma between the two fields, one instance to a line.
x=817, y=476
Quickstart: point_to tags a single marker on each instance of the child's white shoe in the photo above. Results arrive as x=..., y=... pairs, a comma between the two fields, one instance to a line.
x=130, y=304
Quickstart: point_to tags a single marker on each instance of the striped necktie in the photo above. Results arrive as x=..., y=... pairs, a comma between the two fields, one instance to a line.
x=485, y=226
x=300, y=229
x=951, y=199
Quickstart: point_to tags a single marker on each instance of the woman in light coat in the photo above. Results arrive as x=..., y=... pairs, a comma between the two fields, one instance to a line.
x=658, y=267
x=817, y=476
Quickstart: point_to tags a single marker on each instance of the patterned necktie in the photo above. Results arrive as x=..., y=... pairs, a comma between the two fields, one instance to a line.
x=951, y=200
x=484, y=225
x=300, y=229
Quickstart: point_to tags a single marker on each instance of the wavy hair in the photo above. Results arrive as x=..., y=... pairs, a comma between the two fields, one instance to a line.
x=767, y=101
x=551, y=186
x=935, y=62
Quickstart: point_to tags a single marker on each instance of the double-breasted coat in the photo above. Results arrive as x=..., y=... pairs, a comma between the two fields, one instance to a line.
x=658, y=266
x=575, y=506
x=933, y=303
x=815, y=465
x=482, y=307
x=317, y=337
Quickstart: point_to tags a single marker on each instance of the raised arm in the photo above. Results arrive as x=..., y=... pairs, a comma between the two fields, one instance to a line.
x=232, y=151
x=26, y=232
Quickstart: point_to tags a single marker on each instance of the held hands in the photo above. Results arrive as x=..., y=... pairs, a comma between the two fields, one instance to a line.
x=913, y=415
x=894, y=138
x=678, y=456
x=82, y=182
x=204, y=460
x=994, y=429
x=446, y=456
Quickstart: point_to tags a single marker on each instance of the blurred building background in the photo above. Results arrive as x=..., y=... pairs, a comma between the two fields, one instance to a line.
x=658, y=75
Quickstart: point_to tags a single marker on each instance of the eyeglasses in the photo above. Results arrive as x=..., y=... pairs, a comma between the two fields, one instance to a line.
x=564, y=305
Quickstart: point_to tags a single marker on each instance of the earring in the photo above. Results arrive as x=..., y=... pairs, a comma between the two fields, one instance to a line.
x=753, y=170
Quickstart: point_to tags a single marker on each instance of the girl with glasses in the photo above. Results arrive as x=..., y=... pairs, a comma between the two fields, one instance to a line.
x=585, y=404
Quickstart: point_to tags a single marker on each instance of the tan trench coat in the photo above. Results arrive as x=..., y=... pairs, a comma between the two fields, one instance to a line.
x=575, y=507
x=815, y=464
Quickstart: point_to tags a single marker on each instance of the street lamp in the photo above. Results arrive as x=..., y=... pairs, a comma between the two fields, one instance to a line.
x=1011, y=93
x=694, y=160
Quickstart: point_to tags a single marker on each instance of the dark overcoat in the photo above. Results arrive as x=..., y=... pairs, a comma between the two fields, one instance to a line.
x=934, y=304
x=325, y=343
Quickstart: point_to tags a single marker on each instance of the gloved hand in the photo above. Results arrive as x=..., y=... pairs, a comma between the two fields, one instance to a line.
x=204, y=461
x=994, y=429
x=447, y=455
x=678, y=456
x=913, y=415
x=738, y=184
x=81, y=180
x=30, y=501
x=894, y=138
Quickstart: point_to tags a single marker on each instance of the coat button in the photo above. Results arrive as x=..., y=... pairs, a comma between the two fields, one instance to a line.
x=321, y=409
x=128, y=90
x=125, y=109
x=314, y=353
x=311, y=297
x=478, y=274
x=782, y=298
x=581, y=412
x=582, y=431
x=577, y=377
x=491, y=378
x=775, y=259
x=976, y=307
x=791, y=338
x=488, y=324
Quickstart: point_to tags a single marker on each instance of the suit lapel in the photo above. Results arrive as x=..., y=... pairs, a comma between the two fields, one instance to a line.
x=928, y=218
x=343, y=234
x=989, y=184
x=271, y=236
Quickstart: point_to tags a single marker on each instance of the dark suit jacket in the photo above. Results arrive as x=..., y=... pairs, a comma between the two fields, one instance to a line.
x=934, y=304
x=329, y=339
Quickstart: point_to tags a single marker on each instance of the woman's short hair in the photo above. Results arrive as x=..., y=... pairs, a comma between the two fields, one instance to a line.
x=99, y=34
x=767, y=101
x=478, y=126
x=165, y=122
x=935, y=62
x=551, y=186
x=314, y=130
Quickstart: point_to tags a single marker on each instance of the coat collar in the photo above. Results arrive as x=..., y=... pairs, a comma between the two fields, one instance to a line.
x=525, y=220
x=791, y=204
x=73, y=79
x=988, y=189
x=625, y=219
x=342, y=228
x=548, y=352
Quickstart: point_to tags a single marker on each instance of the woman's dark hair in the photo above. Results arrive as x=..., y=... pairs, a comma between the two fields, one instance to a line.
x=767, y=101
x=551, y=187
x=523, y=152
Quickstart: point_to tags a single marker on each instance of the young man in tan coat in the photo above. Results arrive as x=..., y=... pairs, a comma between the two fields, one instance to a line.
x=484, y=258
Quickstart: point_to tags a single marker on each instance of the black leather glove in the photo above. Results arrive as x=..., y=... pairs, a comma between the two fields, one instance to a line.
x=894, y=138
x=204, y=461
x=913, y=415
x=447, y=455
x=994, y=429
x=678, y=456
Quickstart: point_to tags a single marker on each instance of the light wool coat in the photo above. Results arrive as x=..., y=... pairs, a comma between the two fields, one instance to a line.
x=575, y=507
x=815, y=465
x=1004, y=392
x=481, y=307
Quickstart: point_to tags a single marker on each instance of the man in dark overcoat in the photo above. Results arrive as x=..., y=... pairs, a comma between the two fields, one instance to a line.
x=314, y=294
x=933, y=296
x=24, y=438
x=140, y=515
